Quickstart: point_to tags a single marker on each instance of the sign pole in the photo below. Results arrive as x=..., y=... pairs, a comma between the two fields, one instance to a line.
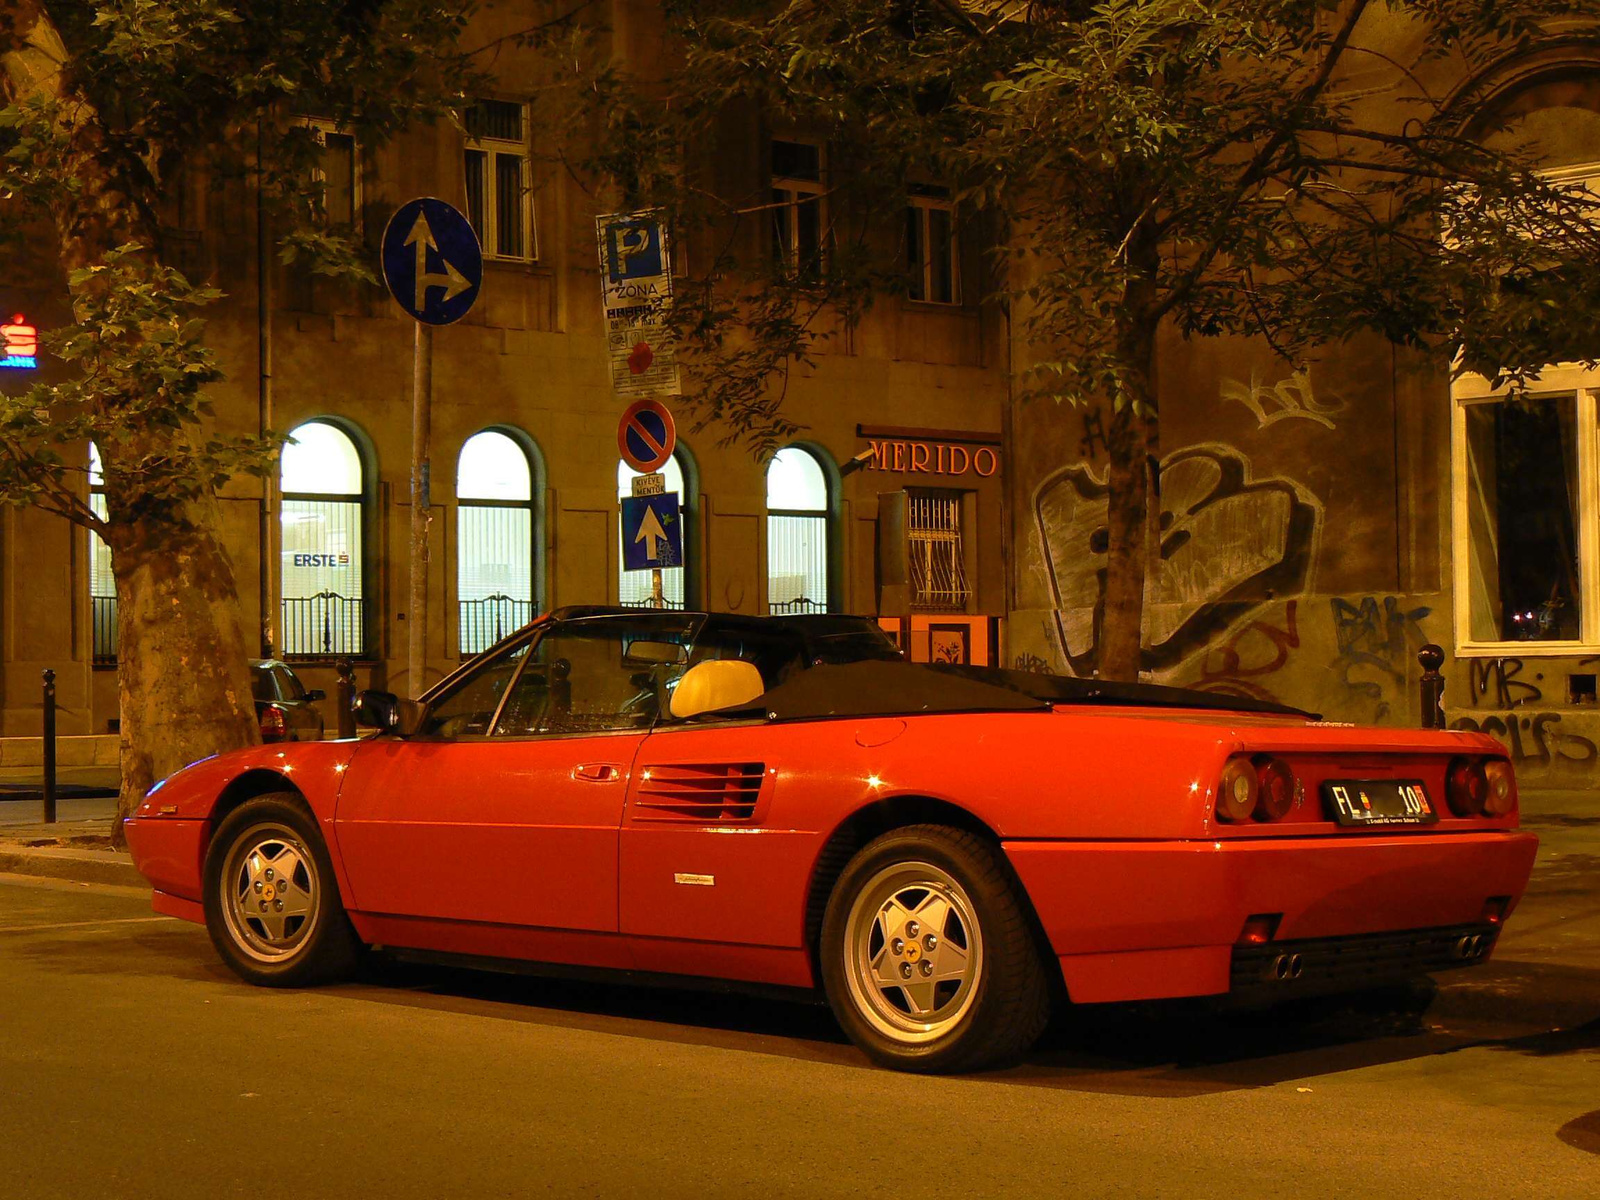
x=433, y=267
x=658, y=598
x=421, y=422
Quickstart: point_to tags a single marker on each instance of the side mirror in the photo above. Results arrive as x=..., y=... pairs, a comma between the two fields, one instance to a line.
x=316, y=694
x=381, y=709
x=387, y=711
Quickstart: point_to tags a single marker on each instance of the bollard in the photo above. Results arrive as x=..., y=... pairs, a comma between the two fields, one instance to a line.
x=1432, y=658
x=49, y=746
x=345, y=697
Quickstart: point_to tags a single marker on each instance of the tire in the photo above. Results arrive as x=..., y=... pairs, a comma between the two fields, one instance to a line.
x=978, y=994
x=294, y=937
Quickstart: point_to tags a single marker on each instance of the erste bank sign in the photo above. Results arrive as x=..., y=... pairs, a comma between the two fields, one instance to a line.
x=19, y=344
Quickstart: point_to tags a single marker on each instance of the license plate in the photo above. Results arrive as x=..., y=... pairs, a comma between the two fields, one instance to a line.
x=1379, y=802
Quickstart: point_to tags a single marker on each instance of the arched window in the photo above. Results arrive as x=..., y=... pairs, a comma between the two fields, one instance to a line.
x=797, y=533
x=323, y=499
x=494, y=540
x=633, y=587
x=102, y=584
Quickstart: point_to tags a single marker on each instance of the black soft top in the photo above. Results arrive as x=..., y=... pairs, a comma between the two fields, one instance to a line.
x=899, y=688
x=834, y=665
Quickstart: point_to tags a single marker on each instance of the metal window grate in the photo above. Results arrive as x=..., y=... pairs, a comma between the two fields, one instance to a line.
x=797, y=562
x=494, y=571
x=322, y=595
x=935, y=554
x=102, y=591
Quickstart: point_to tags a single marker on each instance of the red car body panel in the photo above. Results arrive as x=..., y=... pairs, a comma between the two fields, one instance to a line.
x=561, y=849
x=1186, y=903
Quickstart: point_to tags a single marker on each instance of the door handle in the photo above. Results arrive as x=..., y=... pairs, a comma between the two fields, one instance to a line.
x=597, y=772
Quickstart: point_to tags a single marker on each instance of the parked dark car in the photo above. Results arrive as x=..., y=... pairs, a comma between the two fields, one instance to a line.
x=286, y=711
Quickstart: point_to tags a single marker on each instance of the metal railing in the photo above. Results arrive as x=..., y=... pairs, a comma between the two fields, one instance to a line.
x=103, y=614
x=484, y=621
x=801, y=605
x=323, y=625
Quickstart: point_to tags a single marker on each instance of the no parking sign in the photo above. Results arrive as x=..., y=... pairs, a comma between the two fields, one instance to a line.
x=646, y=435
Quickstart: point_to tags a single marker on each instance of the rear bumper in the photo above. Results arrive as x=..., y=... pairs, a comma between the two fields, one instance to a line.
x=168, y=852
x=1149, y=920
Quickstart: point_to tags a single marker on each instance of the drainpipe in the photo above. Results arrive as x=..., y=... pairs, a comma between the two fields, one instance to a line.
x=268, y=533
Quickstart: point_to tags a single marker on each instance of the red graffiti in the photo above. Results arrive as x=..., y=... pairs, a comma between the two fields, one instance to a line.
x=1230, y=668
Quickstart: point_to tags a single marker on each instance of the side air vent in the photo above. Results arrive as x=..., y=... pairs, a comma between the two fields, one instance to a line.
x=700, y=791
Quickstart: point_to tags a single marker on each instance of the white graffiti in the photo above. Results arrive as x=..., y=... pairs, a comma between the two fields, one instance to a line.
x=1285, y=400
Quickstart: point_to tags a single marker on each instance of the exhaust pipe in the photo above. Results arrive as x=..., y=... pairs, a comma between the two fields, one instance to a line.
x=1286, y=967
x=1471, y=945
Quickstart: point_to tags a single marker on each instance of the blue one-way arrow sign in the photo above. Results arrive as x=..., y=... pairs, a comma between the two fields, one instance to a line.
x=432, y=261
x=652, y=534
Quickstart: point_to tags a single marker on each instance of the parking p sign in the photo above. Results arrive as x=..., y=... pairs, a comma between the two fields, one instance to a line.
x=635, y=292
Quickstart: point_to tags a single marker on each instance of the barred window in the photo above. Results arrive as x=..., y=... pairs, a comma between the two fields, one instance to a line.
x=797, y=533
x=323, y=606
x=935, y=555
x=102, y=583
x=494, y=540
x=499, y=174
x=634, y=587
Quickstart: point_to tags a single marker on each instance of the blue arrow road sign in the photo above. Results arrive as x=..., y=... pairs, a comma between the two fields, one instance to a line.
x=652, y=534
x=432, y=261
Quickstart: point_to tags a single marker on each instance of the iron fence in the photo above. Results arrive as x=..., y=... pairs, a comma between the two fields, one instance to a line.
x=486, y=620
x=800, y=605
x=324, y=624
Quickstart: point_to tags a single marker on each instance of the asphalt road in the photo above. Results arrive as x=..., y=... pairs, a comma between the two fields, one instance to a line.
x=132, y=1064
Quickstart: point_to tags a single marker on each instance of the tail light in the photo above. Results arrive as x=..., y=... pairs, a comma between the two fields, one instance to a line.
x=1236, y=797
x=1502, y=780
x=1277, y=786
x=274, y=724
x=1466, y=787
x=1260, y=788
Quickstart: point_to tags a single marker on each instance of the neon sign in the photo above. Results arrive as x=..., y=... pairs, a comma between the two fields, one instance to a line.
x=19, y=344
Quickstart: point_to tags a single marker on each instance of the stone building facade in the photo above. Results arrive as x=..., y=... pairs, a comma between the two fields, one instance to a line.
x=1320, y=523
x=321, y=555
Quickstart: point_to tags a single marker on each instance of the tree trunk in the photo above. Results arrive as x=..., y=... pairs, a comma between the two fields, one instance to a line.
x=182, y=677
x=1134, y=510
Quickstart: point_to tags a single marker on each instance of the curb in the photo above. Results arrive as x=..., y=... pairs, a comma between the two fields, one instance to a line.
x=76, y=866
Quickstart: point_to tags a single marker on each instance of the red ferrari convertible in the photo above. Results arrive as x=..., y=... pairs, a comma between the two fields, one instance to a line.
x=783, y=801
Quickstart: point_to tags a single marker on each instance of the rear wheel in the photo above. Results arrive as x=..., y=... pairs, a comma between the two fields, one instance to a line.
x=271, y=902
x=927, y=954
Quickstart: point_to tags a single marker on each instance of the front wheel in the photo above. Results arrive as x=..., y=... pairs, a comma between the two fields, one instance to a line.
x=271, y=902
x=928, y=957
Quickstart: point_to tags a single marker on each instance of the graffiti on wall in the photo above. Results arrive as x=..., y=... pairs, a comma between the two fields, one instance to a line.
x=1287, y=400
x=1240, y=665
x=1376, y=644
x=1229, y=542
x=1534, y=739
x=1499, y=683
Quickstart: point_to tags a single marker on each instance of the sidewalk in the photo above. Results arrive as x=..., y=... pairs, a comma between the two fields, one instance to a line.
x=76, y=848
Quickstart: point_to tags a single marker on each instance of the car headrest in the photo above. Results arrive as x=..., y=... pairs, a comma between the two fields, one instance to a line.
x=720, y=683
